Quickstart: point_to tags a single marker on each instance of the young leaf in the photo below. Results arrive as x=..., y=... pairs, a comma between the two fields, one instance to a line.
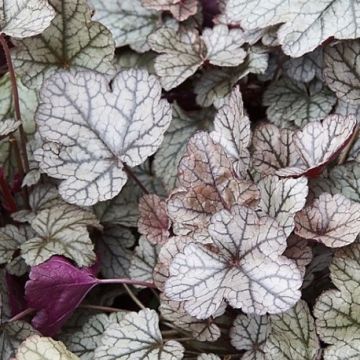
x=208, y=185
x=72, y=40
x=137, y=336
x=232, y=131
x=273, y=149
x=182, y=53
x=297, y=103
x=43, y=348
x=293, y=335
x=8, y=126
x=12, y=334
x=282, y=199
x=342, y=70
x=336, y=311
x=249, y=332
x=61, y=230
x=318, y=143
x=307, y=24
x=24, y=18
x=133, y=121
x=201, y=330
x=144, y=260
x=129, y=22
x=180, y=9
x=244, y=267
x=331, y=220
x=299, y=251
x=154, y=222
x=114, y=251
x=55, y=289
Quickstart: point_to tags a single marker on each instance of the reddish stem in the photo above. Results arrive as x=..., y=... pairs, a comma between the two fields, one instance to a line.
x=127, y=281
x=131, y=174
x=22, y=314
x=9, y=201
x=15, y=95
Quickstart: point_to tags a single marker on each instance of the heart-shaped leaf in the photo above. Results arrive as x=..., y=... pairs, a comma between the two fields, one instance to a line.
x=122, y=126
x=244, y=266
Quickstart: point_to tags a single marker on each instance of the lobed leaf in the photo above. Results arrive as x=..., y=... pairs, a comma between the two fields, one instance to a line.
x=72, y=40
x=122, y=126
x=180, y=9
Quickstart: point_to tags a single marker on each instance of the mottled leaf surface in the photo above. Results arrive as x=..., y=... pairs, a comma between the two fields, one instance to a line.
x=121, y=126
x=331, y=220
x=72, y=40
x=244, y=267
x=137, y=336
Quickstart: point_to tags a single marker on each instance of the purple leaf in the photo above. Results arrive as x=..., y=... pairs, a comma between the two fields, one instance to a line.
x=55, y=289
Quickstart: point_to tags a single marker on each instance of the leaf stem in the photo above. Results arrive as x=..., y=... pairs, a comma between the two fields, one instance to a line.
x=15, y=95
x=9, y=200
x=124, y=281
x=101, y=308
x=134, y=298
x=21, y=314
x=131, y=174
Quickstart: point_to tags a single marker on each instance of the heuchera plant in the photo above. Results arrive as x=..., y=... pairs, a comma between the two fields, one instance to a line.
x=179, y=179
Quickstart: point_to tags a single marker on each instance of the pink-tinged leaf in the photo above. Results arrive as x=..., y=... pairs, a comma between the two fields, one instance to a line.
x=299, y=251
x=243, y=266
x=56, y=287
x=331, y=220
x=153, y=222
x=208, y=184
x=180, y=9
x=273, y=149
x=318, y=143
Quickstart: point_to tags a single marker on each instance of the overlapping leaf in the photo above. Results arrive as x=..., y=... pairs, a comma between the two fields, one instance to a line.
x=129, y=21
x=125, y=125
x=153, y=222
x=12, y=334
x=180, y=9
x=244, y=267
x=61, y=230
x=182, y=53
x=232, y=131
x=44, y=348
x=137, y=336
x=342, y=70
x=201, y=330
x=208, y=184
x=24, y=18
x=318, y=143
x=282, y=199
x=273, y=149
x=331, y=220
x=216, y=84
x=72, y=40
x=306, y=23
x=167, y=159
x=114, y=251
x=297, y=103
x=337, y=311
x=293, y=335
x=249, y=332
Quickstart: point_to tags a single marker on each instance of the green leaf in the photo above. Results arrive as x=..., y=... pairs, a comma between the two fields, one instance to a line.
x=72, y=40
x=337, y=311
x=293, y=335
